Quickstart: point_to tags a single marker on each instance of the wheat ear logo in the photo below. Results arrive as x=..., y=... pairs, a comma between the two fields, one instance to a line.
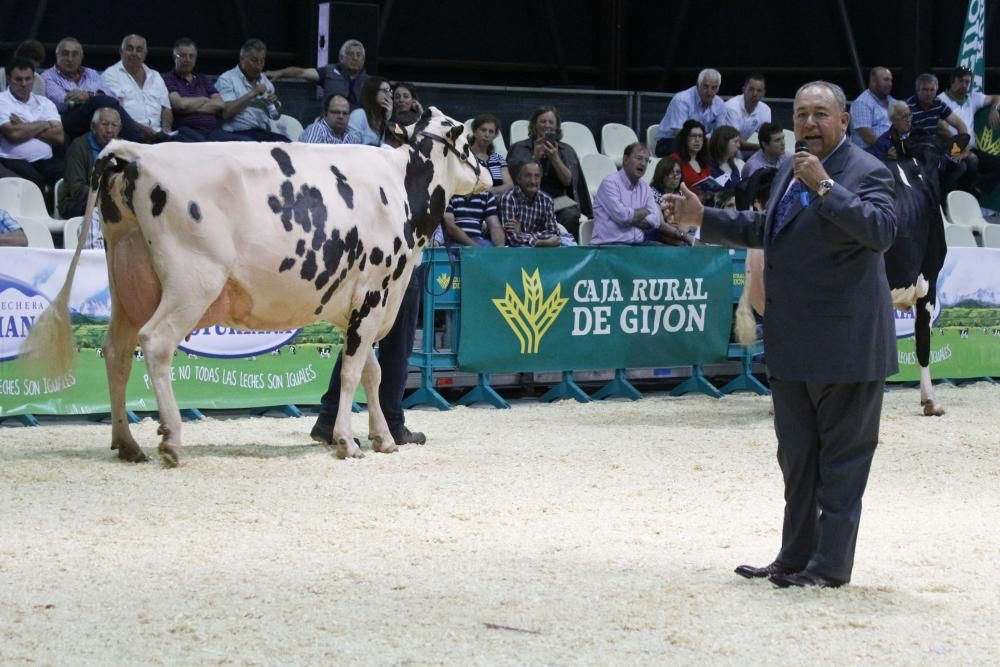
x=987, y=143
x=532, y=317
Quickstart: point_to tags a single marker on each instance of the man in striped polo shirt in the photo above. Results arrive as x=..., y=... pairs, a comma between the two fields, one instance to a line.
x=473, y=220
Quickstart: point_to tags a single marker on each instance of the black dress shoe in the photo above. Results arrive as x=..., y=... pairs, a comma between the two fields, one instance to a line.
x=407, y=437
x=322, y=431
x=804, y=578
x=751, y=572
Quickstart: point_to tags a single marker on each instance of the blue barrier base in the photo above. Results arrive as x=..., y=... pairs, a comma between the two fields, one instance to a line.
x=483, y=393
x=696, y=383
x=620, y=386
x=26, y=420
x=745, y=381
x=101, y=416
x=426, y=396
x=287, y=410
x=567, y=388
x=187, y=414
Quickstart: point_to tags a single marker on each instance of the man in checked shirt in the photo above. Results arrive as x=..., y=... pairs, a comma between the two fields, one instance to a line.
x=526, y=213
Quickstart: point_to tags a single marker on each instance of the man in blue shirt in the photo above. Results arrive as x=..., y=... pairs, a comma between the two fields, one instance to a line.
x=700, y=102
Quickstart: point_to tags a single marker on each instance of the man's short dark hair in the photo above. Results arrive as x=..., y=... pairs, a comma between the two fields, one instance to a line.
x=524, y=164
x=754, y=76
x=31, y=49
x=252, y=44
x=185, y=41
x=960, y=72
x=19, y=63
x=329, y=98
x=631, y=148
x=767, y=132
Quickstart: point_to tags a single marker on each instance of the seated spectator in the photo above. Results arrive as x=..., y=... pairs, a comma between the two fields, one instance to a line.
x=527, y=213
x=891, y=144
x=484, y=131
x=667, y=179
x=625, y=210
x=747, y=112
x=700, y=102
x=371, y=119
x=78, y=92
x=870, y=110
x=29, y=128
x=771, y=137
x=473, y=220
x=80, y=157
x=562, y=178
x=692, y=154
x=406, y=109
x=724, y=150
x=196, y=104
x=11, y=233
x=250, y=100
x=331, y=127
x=140, y=90
x=965, y=102
x=346, y=78
x=33, y=50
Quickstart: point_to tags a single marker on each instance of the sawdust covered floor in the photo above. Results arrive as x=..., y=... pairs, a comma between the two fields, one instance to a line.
x=548, y=534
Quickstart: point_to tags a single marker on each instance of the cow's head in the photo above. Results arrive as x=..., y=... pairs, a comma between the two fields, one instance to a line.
x=441, y=164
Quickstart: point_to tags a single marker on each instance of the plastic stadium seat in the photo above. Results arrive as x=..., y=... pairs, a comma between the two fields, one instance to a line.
x=651, y=137
x=586, y=230
x=518, y=131
x=615, y=137
x=963, y=209
x=789, y=142
x=650, y=169
x=55, y=198
x=596, y=167
x=71, y=232
x=22, y=199
x=580, y=138
x=753, y=139
x=498, y=144
x=958, y=236
x=37, y=232
x=991, y=236
x=288, y=126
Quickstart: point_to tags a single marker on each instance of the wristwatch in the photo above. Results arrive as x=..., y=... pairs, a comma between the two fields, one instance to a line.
x=824, y=187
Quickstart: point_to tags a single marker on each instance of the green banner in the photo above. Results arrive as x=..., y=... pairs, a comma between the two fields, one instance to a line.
x=971, y=52
x=545, y=309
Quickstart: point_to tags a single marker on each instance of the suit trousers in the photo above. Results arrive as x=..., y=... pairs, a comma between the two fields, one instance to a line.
x=827, y=434
x=394, y=359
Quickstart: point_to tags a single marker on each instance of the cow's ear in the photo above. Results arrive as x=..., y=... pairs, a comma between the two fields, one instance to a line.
x=455, y=132
x=398, y=132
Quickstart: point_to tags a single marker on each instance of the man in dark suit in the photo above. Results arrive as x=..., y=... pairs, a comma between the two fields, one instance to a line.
x=830, y=336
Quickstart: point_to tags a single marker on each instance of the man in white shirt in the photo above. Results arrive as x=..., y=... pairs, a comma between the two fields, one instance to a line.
x=140, y=90
x=965, y=104
x=29, y=128
x=747, y=112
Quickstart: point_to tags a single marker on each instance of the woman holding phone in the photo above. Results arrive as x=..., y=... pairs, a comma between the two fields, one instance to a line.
x=371, y=118
x=562, y=178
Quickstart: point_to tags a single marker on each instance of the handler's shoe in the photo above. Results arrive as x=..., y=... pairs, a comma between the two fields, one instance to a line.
x=407, y=437
x=322, y=430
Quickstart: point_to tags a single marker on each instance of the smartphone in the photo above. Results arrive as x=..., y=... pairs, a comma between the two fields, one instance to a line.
x=551, y=137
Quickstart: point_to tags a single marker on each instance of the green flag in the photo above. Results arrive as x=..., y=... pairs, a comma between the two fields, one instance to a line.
x=973, y=46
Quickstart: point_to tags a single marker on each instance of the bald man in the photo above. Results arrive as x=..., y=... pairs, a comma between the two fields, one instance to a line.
x=870, y=111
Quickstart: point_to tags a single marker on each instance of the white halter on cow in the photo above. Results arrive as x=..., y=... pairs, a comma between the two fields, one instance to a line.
x=260, y=236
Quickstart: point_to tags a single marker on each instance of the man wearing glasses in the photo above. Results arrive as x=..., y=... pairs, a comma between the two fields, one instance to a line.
x=331, y=127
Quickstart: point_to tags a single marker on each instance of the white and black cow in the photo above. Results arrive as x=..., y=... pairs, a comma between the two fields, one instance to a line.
x=261, y=236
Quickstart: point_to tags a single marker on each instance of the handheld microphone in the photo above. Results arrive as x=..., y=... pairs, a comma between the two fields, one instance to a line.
x=803, y=147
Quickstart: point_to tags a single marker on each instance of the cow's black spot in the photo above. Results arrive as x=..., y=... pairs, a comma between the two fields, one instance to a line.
x=300, y=247
x=406, y=209
x=159, y=199
x=343, y=188
x=353, y=341
x=286, y=264
x=385, y=282
x=130, y=174
x=361, y=264
x=284, y=161
x=408, y=234
x=376, y=255
x=385, y=200
x=343, y=273
x=326, y=297
x=194, y=211
x=274, y=203
x=399, y=267
x=388, y=261
x=396, y=244
x=385, y=296
x=308, y=271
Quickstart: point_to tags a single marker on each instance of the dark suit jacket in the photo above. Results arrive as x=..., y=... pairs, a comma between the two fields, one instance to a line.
x=828, y=317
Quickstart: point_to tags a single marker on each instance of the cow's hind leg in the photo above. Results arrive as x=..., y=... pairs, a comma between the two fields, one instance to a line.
x=922, y=342
x=119, y=344
x=371, y=378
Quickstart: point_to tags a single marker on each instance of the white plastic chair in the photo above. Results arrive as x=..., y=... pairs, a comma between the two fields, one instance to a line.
x=579, y=137
x=963, y=209
x=650, y=169
x=22, y=199
x=586, y=230
x=753, y=139
x=71, y=232
x=615, y=137
x=957, y=236
x=596, y=167
x=651, y=137
x=288, y=126
x=518, y=131
x=37, y=232
x=789, y=142
x=498, y=144
x=991, y=236
x=56, y=191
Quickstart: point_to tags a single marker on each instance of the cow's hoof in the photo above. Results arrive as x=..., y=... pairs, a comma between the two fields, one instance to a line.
x=131, y=453
x=383, y=446
x=932, y=409
x=349, y=449
x=169, y=456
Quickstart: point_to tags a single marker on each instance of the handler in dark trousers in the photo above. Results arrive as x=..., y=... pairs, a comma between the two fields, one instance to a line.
x=394, y=359
x=830, y=339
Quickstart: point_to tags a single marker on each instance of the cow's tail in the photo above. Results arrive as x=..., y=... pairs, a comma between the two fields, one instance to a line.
x=50, y=346
x=744, y=324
